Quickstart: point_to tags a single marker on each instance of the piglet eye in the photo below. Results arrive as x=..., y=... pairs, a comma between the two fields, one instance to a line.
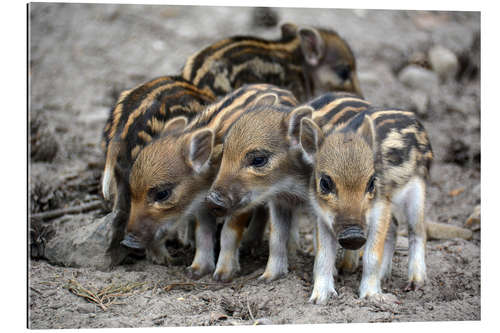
x=162, y=195
x=370, y=187
x=326, y=184
x=258, y=158
x=259, y=161
x=343, y=71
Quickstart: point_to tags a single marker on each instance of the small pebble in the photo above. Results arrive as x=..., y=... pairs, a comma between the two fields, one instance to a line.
x=86, y=308
x=443, y=61
x=263, y=321
x=419, y=78
x=56, y=306
x=50, y=293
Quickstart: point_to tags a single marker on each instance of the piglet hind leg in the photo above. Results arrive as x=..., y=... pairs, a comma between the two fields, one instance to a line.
x=279, y=232
x=293, y=246
x=412, y=203
x=204, y=261
x=350, y=261
x=253, y=236
x=324, y=265
x=378, y=228
x=185, y=233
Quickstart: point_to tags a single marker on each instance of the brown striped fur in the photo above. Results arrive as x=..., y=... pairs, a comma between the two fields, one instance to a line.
x=308, y=61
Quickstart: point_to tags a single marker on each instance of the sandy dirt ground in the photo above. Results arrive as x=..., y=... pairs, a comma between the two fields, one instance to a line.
x=83, y=55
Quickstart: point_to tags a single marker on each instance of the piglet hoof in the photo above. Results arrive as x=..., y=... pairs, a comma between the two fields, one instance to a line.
x=223, y=276
x=322, y=297
x=268, y=277
x=196, y=272
x=413, y=285
x=193, y=274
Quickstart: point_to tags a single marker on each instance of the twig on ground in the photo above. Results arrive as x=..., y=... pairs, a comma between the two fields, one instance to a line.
x=36, y=290
x=171, y=285
x=52, y=214
x=214, y=285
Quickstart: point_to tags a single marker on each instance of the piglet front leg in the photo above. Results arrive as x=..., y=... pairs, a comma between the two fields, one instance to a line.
x=324, y=264
x=279, y=232
x=232, y=233
x=204, y=261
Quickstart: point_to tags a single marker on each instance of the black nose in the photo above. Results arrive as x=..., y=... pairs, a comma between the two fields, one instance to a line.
x=352, y=238
x=216, y=203
x=132, y=242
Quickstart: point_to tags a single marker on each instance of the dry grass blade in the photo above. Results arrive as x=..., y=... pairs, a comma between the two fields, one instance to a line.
x=105, y=296
x=120, y=290
x=77, y=289
x=250, y=311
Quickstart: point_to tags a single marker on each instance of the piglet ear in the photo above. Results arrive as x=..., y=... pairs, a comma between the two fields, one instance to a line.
x=268, y=99
x=367, y=131
x=198, y=150
x=292, y=122
x=312, y=45
x=288, y=30
x=175, y=124
x=216, y=157
x=311, y=138
x=108, y=177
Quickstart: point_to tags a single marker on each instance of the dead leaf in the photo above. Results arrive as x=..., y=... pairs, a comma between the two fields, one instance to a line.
x=216, y=316
x=455, y=192
x=474, y=220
